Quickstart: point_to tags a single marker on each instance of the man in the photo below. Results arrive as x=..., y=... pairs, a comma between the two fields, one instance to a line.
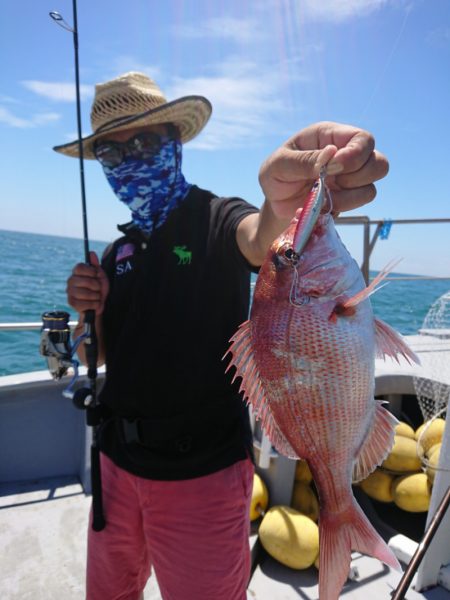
x=176, y=446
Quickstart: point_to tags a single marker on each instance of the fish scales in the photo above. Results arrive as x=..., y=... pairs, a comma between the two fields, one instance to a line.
x=306, y=357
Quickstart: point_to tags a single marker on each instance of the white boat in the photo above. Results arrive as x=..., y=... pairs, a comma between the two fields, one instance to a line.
x=45, y=495
x=44, y=498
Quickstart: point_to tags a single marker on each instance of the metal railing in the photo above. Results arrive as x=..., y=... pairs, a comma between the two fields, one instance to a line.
x=32, y=326
x=369, y=243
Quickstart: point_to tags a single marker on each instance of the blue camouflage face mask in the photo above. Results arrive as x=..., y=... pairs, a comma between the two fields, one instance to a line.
x=151, y=188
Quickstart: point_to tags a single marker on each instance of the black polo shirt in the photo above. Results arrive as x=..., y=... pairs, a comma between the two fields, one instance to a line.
x=175, y=300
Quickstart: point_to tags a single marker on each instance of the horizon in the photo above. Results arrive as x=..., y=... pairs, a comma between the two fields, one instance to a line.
x=81, y=240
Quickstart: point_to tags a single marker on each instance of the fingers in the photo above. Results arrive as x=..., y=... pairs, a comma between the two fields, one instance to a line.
x=352, y=190
x=344, y=200
x=376, y=167
x=355, y=148
x=93, y=258
x=87, y=287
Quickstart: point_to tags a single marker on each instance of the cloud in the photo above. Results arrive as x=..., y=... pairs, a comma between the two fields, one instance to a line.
x=60, y=92
x=230, y=28
x=7, y=99
x=7, y=117
x=337, y=10
x=244, y=103
x=126, y=62
x=439, y=38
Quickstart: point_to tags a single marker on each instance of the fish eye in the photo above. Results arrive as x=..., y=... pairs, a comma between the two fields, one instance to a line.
x=289, y=253
x=286, y=256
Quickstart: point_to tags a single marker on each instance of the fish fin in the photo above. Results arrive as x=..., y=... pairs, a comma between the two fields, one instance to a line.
x=377, y=444
x=372, y=287
x=390, y=343
x=338, y=537
x=243, y=359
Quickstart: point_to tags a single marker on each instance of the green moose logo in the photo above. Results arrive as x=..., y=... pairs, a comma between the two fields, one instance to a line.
x=184, y=256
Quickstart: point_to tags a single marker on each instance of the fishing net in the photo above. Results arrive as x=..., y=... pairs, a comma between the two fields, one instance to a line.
x=433, y=390
x=432, y=387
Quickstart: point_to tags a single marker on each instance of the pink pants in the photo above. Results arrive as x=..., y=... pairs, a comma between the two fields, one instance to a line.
x=194, y=533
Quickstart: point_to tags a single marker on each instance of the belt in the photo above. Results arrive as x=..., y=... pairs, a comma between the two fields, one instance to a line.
x=140, y=432
x=180, y=432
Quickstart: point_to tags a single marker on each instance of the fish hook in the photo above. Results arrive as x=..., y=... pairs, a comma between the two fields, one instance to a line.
x=297, y=298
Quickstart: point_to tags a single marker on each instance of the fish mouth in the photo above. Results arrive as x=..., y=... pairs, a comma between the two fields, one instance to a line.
x=309, y=215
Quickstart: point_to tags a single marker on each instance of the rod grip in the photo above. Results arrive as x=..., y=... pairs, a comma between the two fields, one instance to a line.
x=98, y=519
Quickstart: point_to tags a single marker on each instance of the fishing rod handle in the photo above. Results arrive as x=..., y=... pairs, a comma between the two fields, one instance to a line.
x=98, y=519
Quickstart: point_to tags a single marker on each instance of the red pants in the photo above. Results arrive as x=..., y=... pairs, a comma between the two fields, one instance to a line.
x=194, y=533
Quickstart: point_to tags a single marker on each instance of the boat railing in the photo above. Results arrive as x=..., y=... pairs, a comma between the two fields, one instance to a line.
x=369, y=242
x=30, y=326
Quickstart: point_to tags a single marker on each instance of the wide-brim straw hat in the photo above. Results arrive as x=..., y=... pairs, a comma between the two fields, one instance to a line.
x=134, y=100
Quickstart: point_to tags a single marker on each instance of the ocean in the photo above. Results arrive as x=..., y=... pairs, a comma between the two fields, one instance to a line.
x=33, y=280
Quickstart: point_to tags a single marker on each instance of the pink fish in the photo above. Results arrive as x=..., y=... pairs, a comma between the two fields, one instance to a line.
x=306, y=358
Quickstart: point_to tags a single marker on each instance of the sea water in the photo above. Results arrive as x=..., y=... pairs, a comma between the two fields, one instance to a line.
x=33, y=279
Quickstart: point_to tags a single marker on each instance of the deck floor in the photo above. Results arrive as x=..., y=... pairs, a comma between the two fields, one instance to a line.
x=43, y=529
x=372, y=580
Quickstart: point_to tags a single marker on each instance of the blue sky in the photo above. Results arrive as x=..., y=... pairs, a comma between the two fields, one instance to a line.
x=270, y=67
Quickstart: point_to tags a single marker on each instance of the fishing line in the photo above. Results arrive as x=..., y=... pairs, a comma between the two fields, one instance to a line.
x=387, y=64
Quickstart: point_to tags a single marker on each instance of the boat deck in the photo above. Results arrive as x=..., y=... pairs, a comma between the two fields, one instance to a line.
x=43, y=527
x=43, y=519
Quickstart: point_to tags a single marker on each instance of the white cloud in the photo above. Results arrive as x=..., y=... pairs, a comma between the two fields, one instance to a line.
x=43, y=118
x=7, y=117
x=337, y=10
x=61, y=92
x=440, y=37
x=231, y=28
x=7, y=99
x=125, y=63
x=244, y=103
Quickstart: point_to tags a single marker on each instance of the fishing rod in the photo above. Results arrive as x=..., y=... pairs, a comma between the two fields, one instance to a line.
x=404, y=583
x=55, y=341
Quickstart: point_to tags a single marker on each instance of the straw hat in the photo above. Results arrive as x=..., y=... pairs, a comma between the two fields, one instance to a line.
x=134, y=100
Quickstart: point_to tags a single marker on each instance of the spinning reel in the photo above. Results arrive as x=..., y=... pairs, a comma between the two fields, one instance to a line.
x=57, y=348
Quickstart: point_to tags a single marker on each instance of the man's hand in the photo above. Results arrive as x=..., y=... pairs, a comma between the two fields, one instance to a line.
x=88, y=287
x=353, y=165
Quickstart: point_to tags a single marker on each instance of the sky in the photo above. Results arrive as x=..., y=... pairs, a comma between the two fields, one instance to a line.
x=269, y=67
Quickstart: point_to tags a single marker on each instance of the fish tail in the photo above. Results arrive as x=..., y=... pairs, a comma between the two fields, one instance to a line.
x=338, y=537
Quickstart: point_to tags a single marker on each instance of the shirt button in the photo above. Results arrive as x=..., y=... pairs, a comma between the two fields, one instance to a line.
x=144, y=245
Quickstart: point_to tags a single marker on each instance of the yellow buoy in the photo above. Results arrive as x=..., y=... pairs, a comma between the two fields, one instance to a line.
x=378, y=486
x=260, y=498
x=304, y=500
x=412, y=492
x=302, y=472
x=403, y=456
x=433, y=448
x=290, y=537
x=419, y=430
x=433, y=462
x=405, y=430
x=432, y=434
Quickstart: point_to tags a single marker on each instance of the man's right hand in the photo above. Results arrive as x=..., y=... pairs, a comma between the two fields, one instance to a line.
x=88, y=286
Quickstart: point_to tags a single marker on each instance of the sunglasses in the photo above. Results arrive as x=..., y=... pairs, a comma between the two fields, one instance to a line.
x=143, y=146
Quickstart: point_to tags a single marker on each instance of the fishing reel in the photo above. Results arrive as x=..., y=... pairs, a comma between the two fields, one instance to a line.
x=57, y=348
